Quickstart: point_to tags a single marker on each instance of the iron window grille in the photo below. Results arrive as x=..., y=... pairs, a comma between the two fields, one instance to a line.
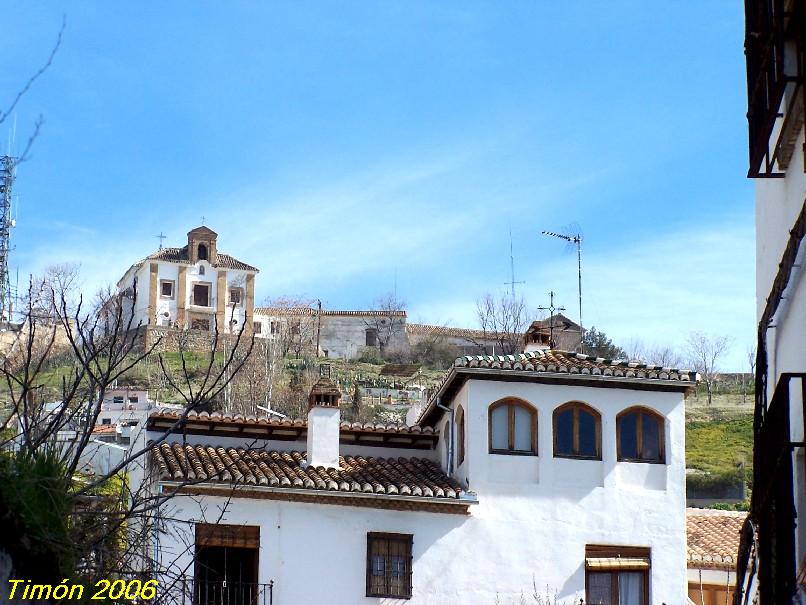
x=389, y=565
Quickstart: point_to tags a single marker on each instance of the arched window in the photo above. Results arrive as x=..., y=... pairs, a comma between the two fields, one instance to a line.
x=460, y=435
x=513, y=427
x=639, y=433
x=202, y=252
x=201, y=270
x=577, y=432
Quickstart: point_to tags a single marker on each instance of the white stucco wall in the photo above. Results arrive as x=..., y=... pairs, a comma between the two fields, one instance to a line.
x=535, y=514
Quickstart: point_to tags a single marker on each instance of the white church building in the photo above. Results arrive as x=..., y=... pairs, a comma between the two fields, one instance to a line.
x=194, y=286
x=548, y=471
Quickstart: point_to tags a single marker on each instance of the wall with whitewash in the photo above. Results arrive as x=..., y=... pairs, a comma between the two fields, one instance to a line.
x=535, y=515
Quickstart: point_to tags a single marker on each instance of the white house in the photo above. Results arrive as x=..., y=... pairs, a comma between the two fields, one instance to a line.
x=772, y=562
x=194, y=286
x=545, y=470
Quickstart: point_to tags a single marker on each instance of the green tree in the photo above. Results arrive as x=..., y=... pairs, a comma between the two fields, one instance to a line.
x=597, y=343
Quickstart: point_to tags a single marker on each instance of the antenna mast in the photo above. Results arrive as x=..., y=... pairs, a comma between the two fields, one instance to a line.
x=575, y=239
x=7, y=165
x=511, y=283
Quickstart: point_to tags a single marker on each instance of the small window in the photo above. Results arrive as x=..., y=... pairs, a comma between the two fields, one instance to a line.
x=201, y=295
x=274, y=328
x=166, y=289
x=460, y=435
x=106, y=421
x=202, y=252
x=235, y=296
x=295, y=327
x=389, y=565
x=371, y=337
x=117, y=399
x=513, y=428
x=640, y=436
x=618, y=574
x=134, y=399
x=201, y=270
x=258, y=327
x=577, y=432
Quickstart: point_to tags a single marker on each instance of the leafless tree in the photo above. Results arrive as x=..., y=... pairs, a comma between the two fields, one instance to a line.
x=60, y=520
x=751, y=362
x=23, y=90
x=503, y=320
x=705, y=352
x=294, y=325
x=388, y=324
x=665, y=356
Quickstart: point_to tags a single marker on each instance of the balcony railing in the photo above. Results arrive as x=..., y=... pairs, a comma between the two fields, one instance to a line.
x=187, y=591
x=767, y=558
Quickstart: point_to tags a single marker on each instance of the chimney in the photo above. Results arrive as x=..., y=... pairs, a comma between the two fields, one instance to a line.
x=324, y=418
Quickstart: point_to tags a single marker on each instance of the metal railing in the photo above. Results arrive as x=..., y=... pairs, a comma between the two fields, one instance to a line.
x=188, y=591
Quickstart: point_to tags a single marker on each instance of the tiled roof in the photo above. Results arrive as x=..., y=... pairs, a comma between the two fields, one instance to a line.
x=574, y=363
x=559, y=363
x=225, y=417
x=467, y=333
x=309, y=311
x=100, y=429
x=180, y=255
x=292, y=429
x=713, y=537
x=415, y=477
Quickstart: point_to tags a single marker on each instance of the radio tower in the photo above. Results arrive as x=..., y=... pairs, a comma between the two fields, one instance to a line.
x=6, y=223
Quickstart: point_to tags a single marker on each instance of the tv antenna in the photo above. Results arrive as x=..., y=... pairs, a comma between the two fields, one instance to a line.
x=511, y=283
x=161, y=237
x=575, y=239
x=551, y=309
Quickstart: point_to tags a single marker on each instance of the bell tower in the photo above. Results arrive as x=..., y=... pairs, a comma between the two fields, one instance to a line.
x=202, y=245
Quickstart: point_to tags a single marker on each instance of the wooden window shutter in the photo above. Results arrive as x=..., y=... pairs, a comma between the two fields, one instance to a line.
x=235, y=536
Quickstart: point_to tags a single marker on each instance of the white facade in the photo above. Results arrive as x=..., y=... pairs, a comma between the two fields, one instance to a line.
x=185, y=288
x=535, y=515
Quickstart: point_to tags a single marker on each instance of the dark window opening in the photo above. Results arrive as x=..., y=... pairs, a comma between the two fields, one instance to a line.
x=226, y=565
x=617, y=575
x=577, y=432
x=372, y=337
x=389, y=565
x=640, y=436
x=202, y=252
x=106, y=421
x=258, y=327
x=167, y=289
x=201, y=295
x=235, y=296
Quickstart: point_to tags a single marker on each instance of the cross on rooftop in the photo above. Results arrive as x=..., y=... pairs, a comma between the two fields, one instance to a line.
x=552, y=310
x=161, y=237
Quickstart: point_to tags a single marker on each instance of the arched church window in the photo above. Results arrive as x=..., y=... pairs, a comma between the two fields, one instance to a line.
x=201, y=270
x=202, y=252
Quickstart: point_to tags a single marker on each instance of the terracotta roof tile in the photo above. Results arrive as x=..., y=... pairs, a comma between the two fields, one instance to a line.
x=310, y=311
x=560, y=362
x=713, y=537
x=180, y=255
x=172, y=414
x=416, y=477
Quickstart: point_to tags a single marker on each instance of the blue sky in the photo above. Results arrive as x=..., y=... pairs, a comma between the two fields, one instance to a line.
x=336, y=145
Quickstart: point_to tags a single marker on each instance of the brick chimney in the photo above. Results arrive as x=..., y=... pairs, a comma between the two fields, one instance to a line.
x=324, y=418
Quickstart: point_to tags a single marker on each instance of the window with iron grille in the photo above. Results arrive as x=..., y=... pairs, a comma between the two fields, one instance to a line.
x=389, y=565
